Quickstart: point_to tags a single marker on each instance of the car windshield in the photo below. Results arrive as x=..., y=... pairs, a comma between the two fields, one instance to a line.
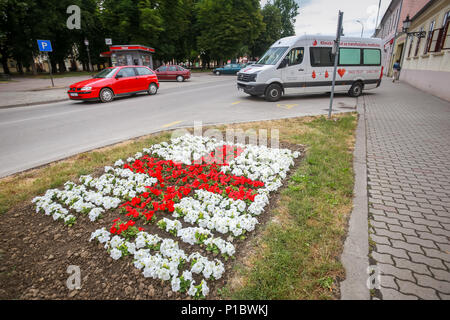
x=105, y=73
x=273, y=55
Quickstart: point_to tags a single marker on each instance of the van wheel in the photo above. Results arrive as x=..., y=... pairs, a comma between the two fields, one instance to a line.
x=356, y=89
x=273, y=92
x=106, y=95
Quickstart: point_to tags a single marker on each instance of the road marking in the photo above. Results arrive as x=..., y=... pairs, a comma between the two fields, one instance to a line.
x=287, y=106
x=171, y=124
x=237, y=102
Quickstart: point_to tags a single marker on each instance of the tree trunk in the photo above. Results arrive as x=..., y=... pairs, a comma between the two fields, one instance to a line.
x=33, y=66
x=61, y=66
x=5, y=64
x=20, y=67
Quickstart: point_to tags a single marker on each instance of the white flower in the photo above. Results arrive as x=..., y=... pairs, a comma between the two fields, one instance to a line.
x=115, y=253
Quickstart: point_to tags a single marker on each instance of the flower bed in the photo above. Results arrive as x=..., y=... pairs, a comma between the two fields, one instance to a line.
x=202, y=192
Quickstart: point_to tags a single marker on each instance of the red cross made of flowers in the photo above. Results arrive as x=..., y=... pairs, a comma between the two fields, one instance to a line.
x=177, y=180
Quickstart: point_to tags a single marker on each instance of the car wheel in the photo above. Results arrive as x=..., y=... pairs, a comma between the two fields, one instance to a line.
x=106, y=95
x=217, y=73
x=152, y=89
x=180, y=79
x=356, y=89
x=273, y=92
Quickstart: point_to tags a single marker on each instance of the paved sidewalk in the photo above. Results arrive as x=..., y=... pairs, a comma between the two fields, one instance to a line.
x=408, y=171
x=22, y=91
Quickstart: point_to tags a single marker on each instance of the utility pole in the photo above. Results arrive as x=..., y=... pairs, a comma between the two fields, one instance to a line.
x=336, y=57
x=378, y=13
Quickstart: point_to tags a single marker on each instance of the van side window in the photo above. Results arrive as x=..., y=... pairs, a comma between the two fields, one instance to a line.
x=295, y=56
x=321, y=57
x=349, y=56
x=372, y=57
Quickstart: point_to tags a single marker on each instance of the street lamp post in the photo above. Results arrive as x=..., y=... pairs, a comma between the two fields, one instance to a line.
x=362, y=24
x=86, y=42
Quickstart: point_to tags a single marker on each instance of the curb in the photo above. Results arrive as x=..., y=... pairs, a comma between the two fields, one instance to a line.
x=355, y=257
x=31, y=103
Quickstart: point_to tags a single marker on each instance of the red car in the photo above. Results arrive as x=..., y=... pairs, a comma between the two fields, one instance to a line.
x=173, y=72
x=114, y=82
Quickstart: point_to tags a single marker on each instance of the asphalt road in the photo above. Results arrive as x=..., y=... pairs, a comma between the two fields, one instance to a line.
x=37, y=135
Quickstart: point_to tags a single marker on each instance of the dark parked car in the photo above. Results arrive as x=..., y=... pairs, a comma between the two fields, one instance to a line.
x=232, y=68
x=115, y=81
x=173, y=72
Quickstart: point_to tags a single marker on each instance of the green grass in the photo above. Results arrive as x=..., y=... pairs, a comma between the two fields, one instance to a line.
x=298, y=258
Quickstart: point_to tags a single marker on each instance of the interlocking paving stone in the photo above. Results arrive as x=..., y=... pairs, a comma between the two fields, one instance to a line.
x=409, y=191
x=408, y=287
x=415, y=267
x=427, y=281
x=401, y=253
x=433, y=262
x=382, y=257
x=393, y=294
x=388, y=281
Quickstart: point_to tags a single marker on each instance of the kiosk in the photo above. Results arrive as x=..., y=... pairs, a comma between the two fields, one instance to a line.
x=124, y=55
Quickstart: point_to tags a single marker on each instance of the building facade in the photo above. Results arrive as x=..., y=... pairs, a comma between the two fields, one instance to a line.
x=426, y=61
x=390, y=29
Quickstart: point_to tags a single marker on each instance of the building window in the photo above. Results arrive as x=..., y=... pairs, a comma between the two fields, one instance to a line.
x=416, y=52
x=429, y=37
x=410, y=46
x=446, y=18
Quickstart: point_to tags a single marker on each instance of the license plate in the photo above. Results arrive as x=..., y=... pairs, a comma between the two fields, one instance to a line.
x=74, y=94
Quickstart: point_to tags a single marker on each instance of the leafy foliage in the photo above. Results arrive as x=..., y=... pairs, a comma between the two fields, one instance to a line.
x=178, y=29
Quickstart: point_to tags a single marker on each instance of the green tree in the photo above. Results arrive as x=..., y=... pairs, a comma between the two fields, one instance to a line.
x=226, y=26
x=289, y=10
x=272, y=30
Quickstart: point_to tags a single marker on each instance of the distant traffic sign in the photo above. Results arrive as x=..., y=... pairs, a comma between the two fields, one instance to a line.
x=44, y=45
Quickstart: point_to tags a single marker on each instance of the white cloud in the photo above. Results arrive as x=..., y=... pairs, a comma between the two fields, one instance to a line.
x=320, y=16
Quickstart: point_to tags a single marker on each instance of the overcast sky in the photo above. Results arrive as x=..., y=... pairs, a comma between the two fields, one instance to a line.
x=320, y=16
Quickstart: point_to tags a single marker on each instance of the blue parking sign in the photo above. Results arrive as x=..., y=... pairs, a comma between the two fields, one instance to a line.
x=44, y=45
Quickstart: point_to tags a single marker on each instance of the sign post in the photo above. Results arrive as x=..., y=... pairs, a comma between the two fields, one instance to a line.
x=46, y=47
x=335, y=51
x=86, y=42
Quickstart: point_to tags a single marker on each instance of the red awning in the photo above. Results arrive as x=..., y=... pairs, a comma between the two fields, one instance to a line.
x=131, y=47
x=105, y=54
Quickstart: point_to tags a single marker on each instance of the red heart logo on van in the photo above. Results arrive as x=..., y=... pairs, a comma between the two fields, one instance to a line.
x=315, y=43
x=326, y=74
x=341, y=72
x=313, y=75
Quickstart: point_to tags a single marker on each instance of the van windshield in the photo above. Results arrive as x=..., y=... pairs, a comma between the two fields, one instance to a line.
x=272, y=56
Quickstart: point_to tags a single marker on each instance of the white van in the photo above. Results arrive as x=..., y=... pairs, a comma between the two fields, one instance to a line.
x=305, y=64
